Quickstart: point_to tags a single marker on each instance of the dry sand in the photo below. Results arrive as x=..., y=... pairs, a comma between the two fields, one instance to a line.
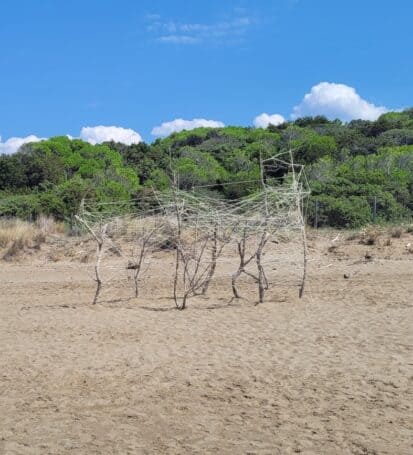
x=330, y=374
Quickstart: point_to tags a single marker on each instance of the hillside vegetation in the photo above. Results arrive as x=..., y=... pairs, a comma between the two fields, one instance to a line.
x=358, y=172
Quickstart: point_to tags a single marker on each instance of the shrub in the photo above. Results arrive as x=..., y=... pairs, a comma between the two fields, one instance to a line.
x=351, y=212
x=51, y=204
x=24, y=206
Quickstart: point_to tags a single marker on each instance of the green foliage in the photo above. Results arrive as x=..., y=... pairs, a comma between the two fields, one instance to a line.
x=72, y=192
x=58, y=173
x=158, y=179
x=396, y=137
x=386, y=178
x=309, y=146
x=194, y=168
x=349, y=166
x=24, y=206
x=312, y=121
x=350, y=212
x=393, y=120
x=50, y=203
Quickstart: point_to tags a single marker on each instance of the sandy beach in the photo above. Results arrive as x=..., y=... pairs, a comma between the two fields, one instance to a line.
x=331, y=373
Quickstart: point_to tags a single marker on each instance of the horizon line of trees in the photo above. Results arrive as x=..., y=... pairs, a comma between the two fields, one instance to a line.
x=348, y=166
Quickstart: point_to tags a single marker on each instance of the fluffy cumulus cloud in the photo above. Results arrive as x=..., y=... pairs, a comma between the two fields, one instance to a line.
x=263, y=120
x=179, y=124
x=14, y=143
x=99, y=134
x=337, y=101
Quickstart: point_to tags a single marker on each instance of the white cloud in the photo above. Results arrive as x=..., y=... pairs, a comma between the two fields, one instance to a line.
x=337, y=101
x=225, y=31
x=99, y=134
x=14, y=143
x=178, y=39
x=93, y=135
x=263, y=120
x=179, y=124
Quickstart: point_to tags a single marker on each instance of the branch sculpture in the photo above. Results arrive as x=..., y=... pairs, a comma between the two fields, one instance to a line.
x=200, y=227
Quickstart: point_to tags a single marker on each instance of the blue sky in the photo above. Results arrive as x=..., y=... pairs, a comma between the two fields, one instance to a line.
x=69, y=64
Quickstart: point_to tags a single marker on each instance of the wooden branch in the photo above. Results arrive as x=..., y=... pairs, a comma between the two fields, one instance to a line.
x=100, y=240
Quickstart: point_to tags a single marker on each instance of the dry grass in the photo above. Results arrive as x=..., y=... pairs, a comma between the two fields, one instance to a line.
x=47, y=225
x=353, y=236
x=396, y=232
x=17, y=231
x=16, y=235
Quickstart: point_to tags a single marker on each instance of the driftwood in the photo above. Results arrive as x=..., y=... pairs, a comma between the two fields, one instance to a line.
x=260, y=278
x=302, y=222
x=143, y=242
x=190, y=272
x=218, y=244
x=100, y=236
